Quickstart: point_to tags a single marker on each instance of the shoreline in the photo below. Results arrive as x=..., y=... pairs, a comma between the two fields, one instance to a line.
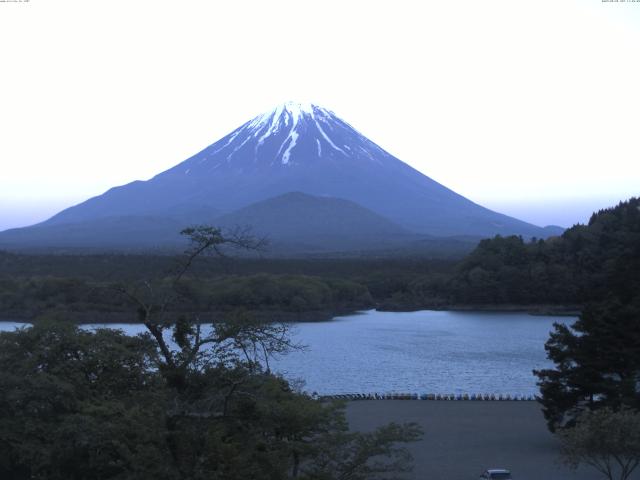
x=531, y=309
x=313, y=316
x=90, y=317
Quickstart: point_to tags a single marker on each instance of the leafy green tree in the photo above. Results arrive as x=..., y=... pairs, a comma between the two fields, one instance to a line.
x=77, y=404
x=356, y=456
x=606, y=440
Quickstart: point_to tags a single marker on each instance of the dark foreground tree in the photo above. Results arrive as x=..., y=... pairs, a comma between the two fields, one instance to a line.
x=606, y=440
x=76, y=404
x=597, y=363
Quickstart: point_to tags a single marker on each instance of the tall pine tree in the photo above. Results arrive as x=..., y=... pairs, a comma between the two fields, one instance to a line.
x=598, y=358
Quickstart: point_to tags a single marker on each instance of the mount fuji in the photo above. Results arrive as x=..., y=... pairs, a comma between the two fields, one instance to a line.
x=295, y=147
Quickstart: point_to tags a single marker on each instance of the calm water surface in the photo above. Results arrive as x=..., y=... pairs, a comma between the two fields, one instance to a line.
x=422, y=352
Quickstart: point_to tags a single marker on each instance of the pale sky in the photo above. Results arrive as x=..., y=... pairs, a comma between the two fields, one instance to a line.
x=531, y=108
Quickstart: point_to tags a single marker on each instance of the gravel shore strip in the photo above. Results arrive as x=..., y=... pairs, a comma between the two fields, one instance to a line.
x=461, y=439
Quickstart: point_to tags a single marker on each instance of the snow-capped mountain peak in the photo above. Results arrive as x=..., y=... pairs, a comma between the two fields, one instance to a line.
x=290, y=134
x=287, y=114
x=293, y=111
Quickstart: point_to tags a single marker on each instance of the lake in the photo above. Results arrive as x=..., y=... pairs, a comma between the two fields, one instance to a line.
x=415, y=352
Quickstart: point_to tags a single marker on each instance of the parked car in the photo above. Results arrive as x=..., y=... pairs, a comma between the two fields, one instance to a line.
x=496, y=474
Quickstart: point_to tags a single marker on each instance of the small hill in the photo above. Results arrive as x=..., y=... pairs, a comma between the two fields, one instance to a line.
x=299, y=221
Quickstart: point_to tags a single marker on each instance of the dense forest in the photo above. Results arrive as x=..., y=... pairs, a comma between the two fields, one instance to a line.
x=84, y=287
x=560, y=272
x=582, y=265
x=597, y=359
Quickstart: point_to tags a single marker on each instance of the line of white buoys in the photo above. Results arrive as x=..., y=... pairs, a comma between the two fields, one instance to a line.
x=484, y=397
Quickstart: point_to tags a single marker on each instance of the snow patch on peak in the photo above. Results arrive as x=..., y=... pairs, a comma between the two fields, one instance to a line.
x=287, y=111
x=297, y=109
x=292, y=138
x=268, y=118
x=326, y=137
x=286, y=117
x=273, y=127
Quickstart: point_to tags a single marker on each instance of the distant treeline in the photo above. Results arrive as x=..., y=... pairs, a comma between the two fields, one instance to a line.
x=85, y=285
x=87, y=300
x=581, y=265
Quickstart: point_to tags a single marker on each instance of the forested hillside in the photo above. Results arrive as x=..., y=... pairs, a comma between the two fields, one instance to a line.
x=584, y=264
